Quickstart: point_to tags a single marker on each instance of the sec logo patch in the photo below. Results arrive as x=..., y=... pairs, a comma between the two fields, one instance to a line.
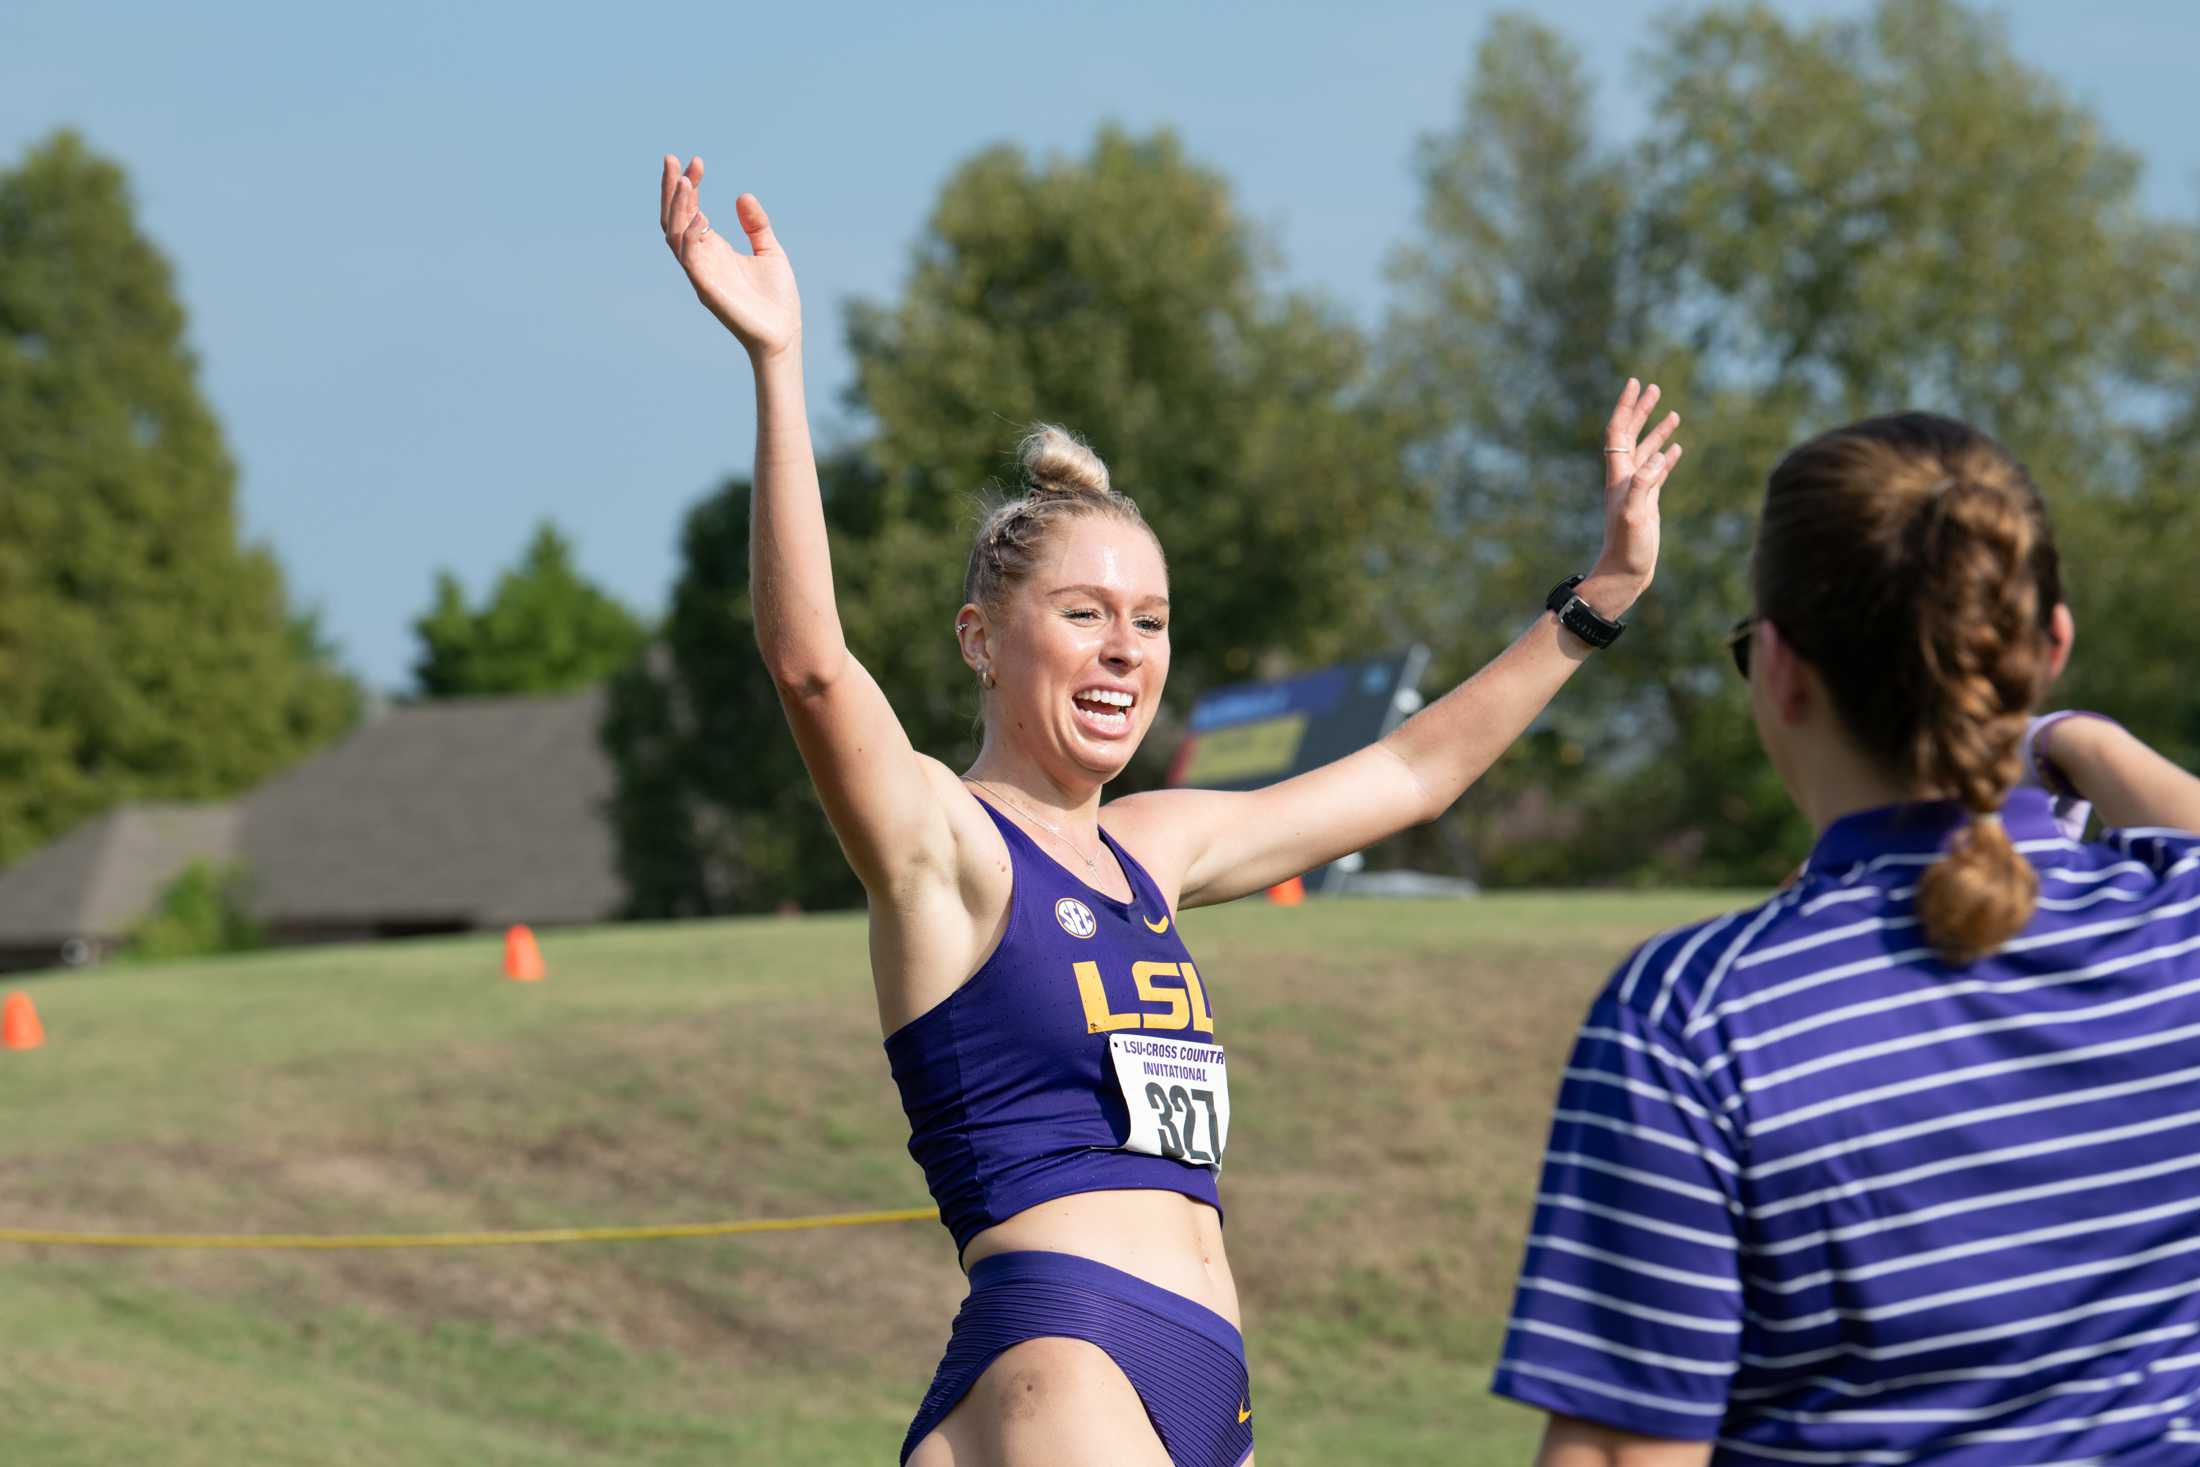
x=1076, y=918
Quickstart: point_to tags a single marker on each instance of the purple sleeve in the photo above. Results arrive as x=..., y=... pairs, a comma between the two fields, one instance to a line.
x=1629, y=1305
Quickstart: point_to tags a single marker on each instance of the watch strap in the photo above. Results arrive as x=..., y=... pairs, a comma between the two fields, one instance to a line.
x=1579, y=617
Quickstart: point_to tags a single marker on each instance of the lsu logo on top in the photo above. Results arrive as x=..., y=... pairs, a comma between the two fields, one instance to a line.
x=1173, y=986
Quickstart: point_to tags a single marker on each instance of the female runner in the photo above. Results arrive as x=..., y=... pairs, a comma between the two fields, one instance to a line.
x=1054, y=1044
x=1903, y=1164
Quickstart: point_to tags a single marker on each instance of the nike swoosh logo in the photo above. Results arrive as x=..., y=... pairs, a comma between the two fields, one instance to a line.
x=1163, y=927
x=1245, y=1414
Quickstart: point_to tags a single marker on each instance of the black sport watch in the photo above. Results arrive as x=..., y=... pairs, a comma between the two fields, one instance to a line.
x=1579, y=617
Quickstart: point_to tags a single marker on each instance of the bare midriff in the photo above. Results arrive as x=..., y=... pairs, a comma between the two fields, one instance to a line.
x=1165, y=1238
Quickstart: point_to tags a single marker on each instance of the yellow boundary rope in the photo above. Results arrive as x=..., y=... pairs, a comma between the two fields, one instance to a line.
x=464, y=1240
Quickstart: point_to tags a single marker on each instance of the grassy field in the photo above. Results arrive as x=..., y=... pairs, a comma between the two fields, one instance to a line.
x=1392, y=1065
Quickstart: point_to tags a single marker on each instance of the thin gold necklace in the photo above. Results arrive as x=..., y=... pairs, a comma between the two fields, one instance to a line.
x=1041, y=821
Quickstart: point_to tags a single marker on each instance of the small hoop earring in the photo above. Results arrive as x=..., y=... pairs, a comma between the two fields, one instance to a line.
x=986, y=679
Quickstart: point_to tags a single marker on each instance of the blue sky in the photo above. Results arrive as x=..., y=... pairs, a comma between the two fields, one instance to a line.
x=418, y=243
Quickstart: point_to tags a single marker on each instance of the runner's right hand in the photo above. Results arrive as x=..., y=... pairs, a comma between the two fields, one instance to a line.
x=753, y=295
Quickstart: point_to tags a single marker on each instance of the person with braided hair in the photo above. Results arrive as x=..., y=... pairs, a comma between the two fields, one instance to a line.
x=1903, y=1164
x=1055, y=1047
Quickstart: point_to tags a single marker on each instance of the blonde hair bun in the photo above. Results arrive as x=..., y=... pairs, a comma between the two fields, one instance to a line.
x=1063, y=481
x=1056, y=461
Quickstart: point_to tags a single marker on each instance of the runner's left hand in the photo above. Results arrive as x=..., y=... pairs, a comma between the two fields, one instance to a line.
x=1635, y=466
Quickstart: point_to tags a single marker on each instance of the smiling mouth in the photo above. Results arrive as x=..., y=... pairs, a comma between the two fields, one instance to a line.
x=1104, y=712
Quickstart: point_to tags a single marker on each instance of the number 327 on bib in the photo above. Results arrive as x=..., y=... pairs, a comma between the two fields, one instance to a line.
x=1178, y=1096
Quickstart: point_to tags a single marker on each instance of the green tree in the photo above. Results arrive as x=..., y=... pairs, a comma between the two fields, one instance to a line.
x=545, y=628
x=713, y=809
x=145, y=652
x=1121, y=294
x=207, y=909
x=1825, y=220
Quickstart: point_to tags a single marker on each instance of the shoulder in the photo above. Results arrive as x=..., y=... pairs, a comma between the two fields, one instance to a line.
x=2134, y=877
x=1676, y=977
x=2167, y=852
x=1156, y=827
x=1152, y=812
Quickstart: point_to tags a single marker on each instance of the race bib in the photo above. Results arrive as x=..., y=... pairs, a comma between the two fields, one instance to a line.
x=1178, y=1095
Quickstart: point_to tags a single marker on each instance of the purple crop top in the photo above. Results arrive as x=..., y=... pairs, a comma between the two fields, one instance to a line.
x=1009, y=1083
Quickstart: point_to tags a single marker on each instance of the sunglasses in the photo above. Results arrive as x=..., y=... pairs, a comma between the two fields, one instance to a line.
x=1737, y=644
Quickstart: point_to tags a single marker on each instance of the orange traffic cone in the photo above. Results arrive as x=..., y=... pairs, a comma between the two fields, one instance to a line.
x=19, y=1026
x=1288, y=893
x=522, y=959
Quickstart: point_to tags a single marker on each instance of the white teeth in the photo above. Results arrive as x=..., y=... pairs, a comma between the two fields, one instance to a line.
x=1105, y=708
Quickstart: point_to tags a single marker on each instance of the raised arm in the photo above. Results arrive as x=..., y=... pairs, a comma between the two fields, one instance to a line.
x=2126, y=781
x=1230, y=844
x=878, y=792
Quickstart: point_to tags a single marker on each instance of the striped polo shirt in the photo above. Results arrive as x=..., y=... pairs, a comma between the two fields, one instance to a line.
x=1815, y=1195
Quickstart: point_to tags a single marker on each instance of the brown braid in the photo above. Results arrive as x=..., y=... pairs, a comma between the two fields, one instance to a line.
x=1909, y=560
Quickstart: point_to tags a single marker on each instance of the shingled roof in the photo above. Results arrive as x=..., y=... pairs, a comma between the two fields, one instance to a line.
x=475, y=812
x=102, y=876
x=472, y=812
